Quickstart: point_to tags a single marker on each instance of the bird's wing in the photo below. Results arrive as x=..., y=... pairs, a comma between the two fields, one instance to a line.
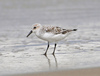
x=56, y=30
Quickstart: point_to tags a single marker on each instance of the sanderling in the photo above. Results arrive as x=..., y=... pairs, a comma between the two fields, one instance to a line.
x=50, y=34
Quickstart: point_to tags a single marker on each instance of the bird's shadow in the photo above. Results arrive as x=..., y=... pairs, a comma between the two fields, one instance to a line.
x=49, y=61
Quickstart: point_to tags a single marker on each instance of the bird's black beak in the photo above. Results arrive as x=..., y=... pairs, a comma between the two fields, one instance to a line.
x=29, y=33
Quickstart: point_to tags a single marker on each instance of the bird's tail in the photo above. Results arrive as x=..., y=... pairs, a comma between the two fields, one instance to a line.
x=74, y=29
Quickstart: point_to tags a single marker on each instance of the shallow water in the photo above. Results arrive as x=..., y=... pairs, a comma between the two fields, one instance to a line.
x=19, y=54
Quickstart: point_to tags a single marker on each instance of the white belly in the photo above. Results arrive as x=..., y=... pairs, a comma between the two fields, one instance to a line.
x=52, y=37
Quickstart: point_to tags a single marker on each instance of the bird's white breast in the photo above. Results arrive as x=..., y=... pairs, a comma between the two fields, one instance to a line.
x=51, y=37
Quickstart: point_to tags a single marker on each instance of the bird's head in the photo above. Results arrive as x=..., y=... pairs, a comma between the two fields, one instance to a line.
x=35, y=27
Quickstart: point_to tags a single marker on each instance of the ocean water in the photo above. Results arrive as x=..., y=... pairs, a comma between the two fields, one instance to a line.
x=19, y=54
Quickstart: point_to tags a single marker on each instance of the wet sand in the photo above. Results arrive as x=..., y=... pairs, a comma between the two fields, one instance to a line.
x=78, y=72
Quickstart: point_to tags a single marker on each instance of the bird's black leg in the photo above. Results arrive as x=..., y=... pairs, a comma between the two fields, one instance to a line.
x=46, y=50
x=54, y=49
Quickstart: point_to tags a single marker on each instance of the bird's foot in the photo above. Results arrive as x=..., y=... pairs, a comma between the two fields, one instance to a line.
x=45, y=54
x=53, y=53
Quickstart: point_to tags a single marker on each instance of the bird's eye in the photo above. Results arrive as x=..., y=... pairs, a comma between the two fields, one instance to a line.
x=34, y=27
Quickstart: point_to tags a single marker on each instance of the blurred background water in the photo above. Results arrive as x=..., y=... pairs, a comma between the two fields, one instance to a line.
x=17, y=16
x=20, y=15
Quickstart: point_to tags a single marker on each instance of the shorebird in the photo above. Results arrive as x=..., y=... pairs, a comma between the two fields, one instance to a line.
x=50, y=34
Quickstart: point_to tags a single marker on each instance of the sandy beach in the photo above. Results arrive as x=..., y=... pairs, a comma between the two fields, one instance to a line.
x=77, y=72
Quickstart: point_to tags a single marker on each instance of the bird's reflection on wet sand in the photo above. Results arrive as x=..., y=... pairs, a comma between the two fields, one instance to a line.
x=49, y=61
